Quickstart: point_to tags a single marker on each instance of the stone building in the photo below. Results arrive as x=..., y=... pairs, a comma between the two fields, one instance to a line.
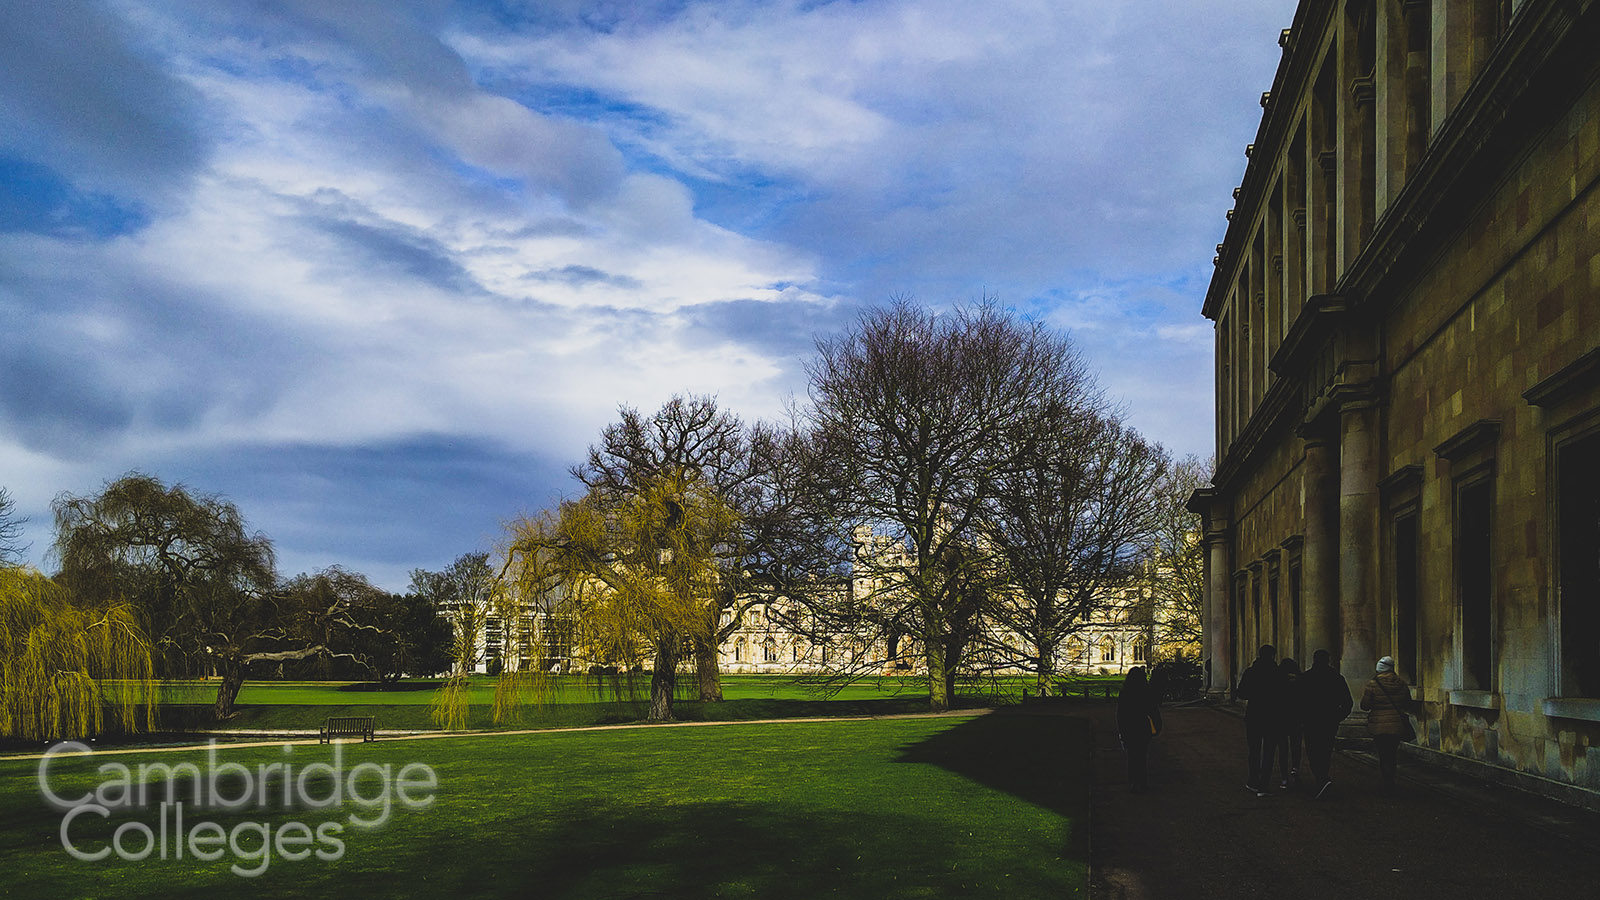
x=1407, y=309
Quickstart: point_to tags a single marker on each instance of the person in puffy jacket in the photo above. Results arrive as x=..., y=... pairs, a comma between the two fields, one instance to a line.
x=1138, y=721
x=1388, y=703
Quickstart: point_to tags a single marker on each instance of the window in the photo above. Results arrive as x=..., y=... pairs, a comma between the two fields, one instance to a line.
x=1577, y=542
x=1474, y=583
x=738, y=650
x=1077, y=652
x=1255, y=607
x=1141, y=649
x=1285, y=643
x=1405, y=596
x=1295, y=614
x=769, y=650
x=1108, y=649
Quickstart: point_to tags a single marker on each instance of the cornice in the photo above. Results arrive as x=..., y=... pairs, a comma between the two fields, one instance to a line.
x=1542, y=62
x=1480, y=434
x=1301, y=43
x=1313, y=324
x=1274, y=407
x=1582, y=373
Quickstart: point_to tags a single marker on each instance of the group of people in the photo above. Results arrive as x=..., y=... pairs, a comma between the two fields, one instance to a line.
x=1287, y=712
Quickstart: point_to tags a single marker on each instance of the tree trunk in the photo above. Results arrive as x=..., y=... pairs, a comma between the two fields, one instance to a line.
x=663, y=683
x=232, y=672
x=938, y=676
x=1047, y=670
x=952, y=663
x=706, y=668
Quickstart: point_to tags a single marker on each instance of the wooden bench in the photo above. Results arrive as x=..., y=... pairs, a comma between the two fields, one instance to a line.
x=347, y=726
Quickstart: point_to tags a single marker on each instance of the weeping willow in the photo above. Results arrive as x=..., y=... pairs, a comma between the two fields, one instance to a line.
x=451, y=703
x=636, y=570
x=69, y=671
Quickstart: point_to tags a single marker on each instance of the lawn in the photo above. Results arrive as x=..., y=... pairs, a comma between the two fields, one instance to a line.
x=574, y=701
x=990, y=806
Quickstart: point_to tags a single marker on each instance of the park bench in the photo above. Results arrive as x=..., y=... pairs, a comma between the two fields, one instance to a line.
x=347, y=726
x=1086, y=689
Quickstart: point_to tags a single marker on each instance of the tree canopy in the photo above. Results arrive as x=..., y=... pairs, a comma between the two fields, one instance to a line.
x=204, y=585
x=922, y=419
x=64, y=665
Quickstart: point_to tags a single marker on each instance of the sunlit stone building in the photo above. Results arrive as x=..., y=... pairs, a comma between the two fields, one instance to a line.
x=1408, y=372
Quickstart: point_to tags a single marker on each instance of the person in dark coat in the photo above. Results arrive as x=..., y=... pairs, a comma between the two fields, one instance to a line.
x=1388, y=703
x=1289, y=726
x=1325, y=701
x=1259, y=688
x=1138, y=721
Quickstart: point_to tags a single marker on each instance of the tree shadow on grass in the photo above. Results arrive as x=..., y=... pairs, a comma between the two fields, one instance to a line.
x=1043, y=759
x=612, y=850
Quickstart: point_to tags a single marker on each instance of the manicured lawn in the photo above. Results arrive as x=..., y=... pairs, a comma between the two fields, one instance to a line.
x=992, y=806
x=573, y=701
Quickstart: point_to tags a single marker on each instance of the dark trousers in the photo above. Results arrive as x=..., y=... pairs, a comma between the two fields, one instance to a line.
x=1319, y=749
x=1289, y=749
x=1262, y=738
x=1138, y=763
x=1388, y=756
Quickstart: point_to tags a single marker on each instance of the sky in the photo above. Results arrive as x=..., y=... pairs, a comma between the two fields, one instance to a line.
x=379, y=271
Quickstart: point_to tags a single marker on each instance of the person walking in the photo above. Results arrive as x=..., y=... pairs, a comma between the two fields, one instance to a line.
x=1138, y=721
x=1289, y=726
x=1259, y=688
x=1388, y=703
x=1325, y=701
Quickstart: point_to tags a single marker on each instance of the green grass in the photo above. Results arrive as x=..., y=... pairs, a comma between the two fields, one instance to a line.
x=566, y=689
x=994, y=806
x=573, y=701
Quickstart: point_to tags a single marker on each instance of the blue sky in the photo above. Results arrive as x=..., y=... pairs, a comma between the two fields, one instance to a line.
x=380, y=271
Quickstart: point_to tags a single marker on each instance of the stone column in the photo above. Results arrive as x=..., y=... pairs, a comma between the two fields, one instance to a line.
x=1358, y=531
x=1217, y=647
x=1319, y=561
x=1219, y=588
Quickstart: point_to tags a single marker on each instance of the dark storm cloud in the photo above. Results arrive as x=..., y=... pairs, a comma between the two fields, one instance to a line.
x=94, y=354
x=381, y=508
x=78, y=94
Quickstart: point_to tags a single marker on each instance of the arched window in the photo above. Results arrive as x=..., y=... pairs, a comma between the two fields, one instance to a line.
x=1108, y=649
x=1141, y=649
x=769, y=650
x=738, y=650
x=1076, y=651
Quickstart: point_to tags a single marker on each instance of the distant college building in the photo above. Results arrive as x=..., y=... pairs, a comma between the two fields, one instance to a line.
x=1407, y=309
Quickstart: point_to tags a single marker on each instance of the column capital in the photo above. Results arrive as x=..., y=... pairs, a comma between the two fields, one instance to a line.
x=1356, y=396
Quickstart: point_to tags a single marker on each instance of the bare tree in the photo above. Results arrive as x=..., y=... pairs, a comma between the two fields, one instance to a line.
x=919, y=419
x=1176, y=569
x=1071, y=528
x=11, y=545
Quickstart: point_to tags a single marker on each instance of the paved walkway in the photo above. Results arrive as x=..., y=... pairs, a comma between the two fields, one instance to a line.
x=233, y=740
x=1199, y=834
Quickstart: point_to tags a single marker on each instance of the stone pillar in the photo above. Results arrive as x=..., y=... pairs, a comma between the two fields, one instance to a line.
x=1219, y=587
x=1218, y=647
x=1319, y=561
x=1358, y=531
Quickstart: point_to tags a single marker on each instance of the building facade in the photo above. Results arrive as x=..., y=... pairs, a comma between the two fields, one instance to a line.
x=1407, y=312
